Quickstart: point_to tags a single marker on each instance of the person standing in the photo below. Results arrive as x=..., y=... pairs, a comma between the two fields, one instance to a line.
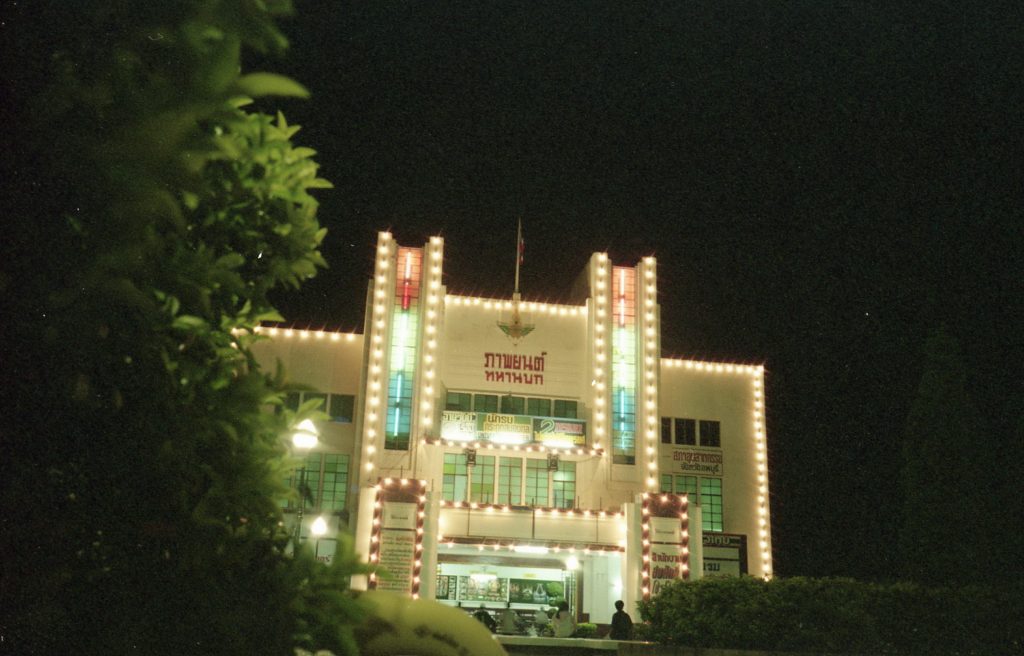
x=563, y=623
x=481, y=615
x=622, y=624
x=509, y=620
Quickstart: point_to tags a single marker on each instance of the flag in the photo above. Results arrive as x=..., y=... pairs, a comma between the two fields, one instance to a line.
x=521, y=247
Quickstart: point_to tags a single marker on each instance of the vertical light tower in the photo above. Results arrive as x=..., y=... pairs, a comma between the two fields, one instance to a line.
x=649, y=345
x=377, y=334
x=405, y=308
x=624, y=372
x=600, y=300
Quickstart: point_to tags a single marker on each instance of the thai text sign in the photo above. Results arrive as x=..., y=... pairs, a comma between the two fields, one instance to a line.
x=510, y=429
x=546, y=429
x=514, y=368
x=397, y=550
x=725, y=555
x=665, y=563
x=697, y=462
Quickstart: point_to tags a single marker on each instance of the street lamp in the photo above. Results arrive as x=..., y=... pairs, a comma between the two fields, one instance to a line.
x=319, y=527
x=303, y=439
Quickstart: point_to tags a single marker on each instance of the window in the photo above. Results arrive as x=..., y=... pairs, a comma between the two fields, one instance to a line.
x=321, y=482
x=680, y=485
x=335, y=481
x=536, y=482
x=666, y=431
x=711, y=503
x=485, y=403
x=513, y=405
x=710, y=433
x=623, y=428
x=538, y=407
x=510, y=480
x=458, y=401
x=318, y=396
x=482, y=480
x=564, y=485
x=342, y=408
x=686, y=431
x=686, y=485
x=455, y=477
x=565, y=409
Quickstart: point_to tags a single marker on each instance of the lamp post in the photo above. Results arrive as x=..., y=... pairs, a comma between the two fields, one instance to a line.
x=303, y=439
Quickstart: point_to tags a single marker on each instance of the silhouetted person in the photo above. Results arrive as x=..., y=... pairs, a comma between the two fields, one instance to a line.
x=481, y=615
x=622, y=624
x=509, y=620
x=563, y=623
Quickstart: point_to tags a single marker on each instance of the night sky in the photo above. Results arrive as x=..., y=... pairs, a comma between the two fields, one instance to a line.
x=823, y=184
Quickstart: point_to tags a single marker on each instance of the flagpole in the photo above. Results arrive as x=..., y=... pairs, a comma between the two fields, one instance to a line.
x=519, y=255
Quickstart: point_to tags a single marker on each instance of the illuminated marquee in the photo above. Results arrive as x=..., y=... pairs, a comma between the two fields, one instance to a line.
x=623, y=365
x=665, y=538
x=405, y=321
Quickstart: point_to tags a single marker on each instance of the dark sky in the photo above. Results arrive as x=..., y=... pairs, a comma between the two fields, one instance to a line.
x=823, y=183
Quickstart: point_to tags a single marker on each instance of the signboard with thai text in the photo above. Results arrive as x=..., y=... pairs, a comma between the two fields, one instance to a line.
x=520, y=368
x=397, y=553
x=511, y=429
x=687, y=461
x=665, y=562
x=725, y=555
x=562, y=431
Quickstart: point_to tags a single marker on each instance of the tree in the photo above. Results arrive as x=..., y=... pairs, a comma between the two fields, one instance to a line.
x=948, y=481
x=150, y=215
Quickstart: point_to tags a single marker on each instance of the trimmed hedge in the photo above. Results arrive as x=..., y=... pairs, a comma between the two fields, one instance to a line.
x=837, y=616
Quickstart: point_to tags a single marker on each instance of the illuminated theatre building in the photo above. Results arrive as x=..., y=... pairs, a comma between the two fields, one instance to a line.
x=501, y=450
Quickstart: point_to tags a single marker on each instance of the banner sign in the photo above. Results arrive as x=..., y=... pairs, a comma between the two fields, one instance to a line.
x=495, y=589
x=535, y=591
x=511, y=429
x=567, y=431
x=447, y=586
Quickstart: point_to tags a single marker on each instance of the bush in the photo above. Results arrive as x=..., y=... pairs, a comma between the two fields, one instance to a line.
x=586, y=630
x=643, y=632
x=835, y=616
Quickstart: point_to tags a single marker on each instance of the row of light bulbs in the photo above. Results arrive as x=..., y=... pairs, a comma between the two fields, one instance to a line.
x=496, y=507
x=513, y=546
x=761, y=458
x=505, y=304
x=698, y=365
x=378, y=324
x=651, y=360
x=436, y=253
x=530, y=448
x=600, y=325
x=274, y=331
x=716, y=367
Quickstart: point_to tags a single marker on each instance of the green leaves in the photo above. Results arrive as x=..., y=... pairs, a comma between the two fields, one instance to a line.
x=177, y=211
x=269, y=84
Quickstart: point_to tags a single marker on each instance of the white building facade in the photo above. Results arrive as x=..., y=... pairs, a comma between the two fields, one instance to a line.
x=501, y=451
